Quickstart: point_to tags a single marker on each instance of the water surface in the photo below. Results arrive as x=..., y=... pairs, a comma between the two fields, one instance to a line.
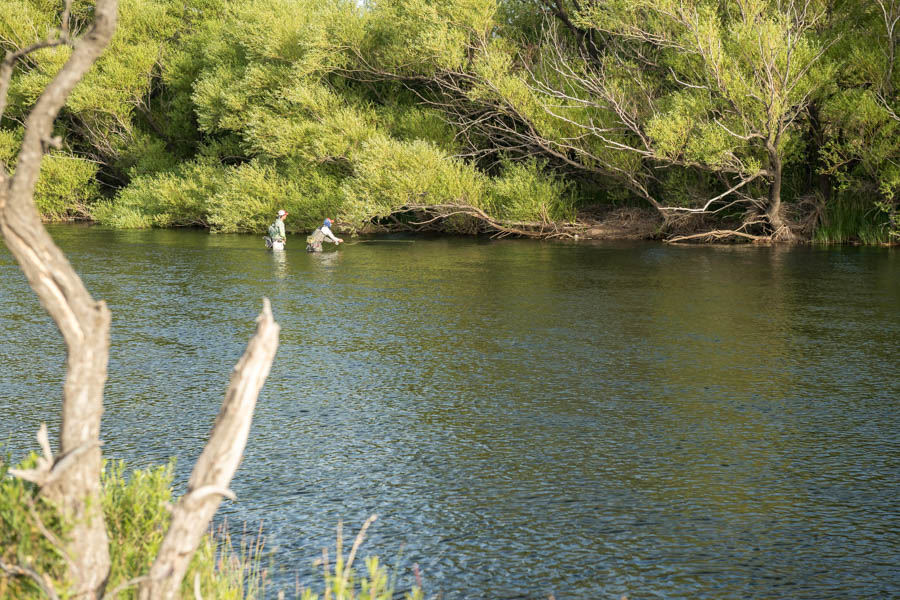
x=525, y=418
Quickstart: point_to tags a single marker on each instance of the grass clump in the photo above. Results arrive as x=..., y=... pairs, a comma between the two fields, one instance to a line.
x=850, y=220
x=342, y=582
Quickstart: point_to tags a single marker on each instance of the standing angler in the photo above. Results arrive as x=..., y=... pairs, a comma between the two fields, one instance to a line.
x=314, y=241
x=277, y=236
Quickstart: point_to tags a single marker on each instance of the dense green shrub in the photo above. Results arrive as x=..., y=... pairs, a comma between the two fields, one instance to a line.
x=170, y=199
x=254, y=192
x=523, y=192
x=66, y=187
x=242, y=198
x=409, y=123
x=67, y=184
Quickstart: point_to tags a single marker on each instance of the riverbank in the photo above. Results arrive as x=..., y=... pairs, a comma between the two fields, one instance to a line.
x=627, y=223
x=599, y=222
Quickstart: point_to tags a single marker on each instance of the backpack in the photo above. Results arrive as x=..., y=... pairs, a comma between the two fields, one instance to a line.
x=273, y=231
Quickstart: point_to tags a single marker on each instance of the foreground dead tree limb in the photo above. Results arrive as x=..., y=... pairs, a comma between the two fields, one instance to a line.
x=72, y=479
x=216, y=466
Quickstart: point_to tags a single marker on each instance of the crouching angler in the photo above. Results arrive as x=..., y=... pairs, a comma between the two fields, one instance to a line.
x=323, y=233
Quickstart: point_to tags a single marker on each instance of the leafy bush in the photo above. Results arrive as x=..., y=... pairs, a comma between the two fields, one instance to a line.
x=254, y=192
x=10, y=140
x=66, y=187
x=146, y=155
x=171, y=199
x=410, y=123
x=524, y=192
x=204, y=193
x=133, y=511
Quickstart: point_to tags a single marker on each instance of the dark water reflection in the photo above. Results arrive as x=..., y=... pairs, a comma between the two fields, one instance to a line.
x=525, y=418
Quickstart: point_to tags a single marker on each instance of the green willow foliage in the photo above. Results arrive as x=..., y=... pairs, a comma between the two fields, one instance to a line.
x=216, y=113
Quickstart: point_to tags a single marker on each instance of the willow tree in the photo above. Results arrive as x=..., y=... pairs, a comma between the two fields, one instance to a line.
x=70, y=479
x=696, y=84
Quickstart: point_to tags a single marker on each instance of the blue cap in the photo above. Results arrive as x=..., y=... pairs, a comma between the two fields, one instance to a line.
x=326, y=223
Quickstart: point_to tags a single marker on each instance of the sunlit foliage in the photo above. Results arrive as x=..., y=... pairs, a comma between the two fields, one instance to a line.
x=215, y=114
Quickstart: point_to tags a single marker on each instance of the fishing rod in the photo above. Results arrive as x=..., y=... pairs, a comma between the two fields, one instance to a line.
x=379, y=242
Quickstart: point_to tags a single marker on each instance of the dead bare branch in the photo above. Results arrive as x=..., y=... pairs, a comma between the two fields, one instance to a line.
x=717, y=235
x=431, y=214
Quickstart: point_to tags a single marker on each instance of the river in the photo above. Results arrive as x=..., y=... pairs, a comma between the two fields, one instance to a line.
x=525, y=418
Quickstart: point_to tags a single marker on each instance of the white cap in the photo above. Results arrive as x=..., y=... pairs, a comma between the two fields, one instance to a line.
x=281, y=213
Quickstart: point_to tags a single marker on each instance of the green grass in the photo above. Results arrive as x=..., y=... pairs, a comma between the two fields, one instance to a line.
x=341, y=582
x=853, y=221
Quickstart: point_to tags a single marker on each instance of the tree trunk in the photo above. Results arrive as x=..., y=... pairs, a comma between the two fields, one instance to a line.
x=774, y=212
x=818, y=179
x=73, y=480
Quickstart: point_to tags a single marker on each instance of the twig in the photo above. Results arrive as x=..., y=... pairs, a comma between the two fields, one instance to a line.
x=43, y=582
x=356, y=543
x=124, y=585
x=51, y=537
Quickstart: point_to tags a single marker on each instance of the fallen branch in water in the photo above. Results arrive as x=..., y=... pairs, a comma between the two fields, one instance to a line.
x=718, y=235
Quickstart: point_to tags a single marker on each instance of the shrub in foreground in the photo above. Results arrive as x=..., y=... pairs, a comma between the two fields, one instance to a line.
x=136, y=517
